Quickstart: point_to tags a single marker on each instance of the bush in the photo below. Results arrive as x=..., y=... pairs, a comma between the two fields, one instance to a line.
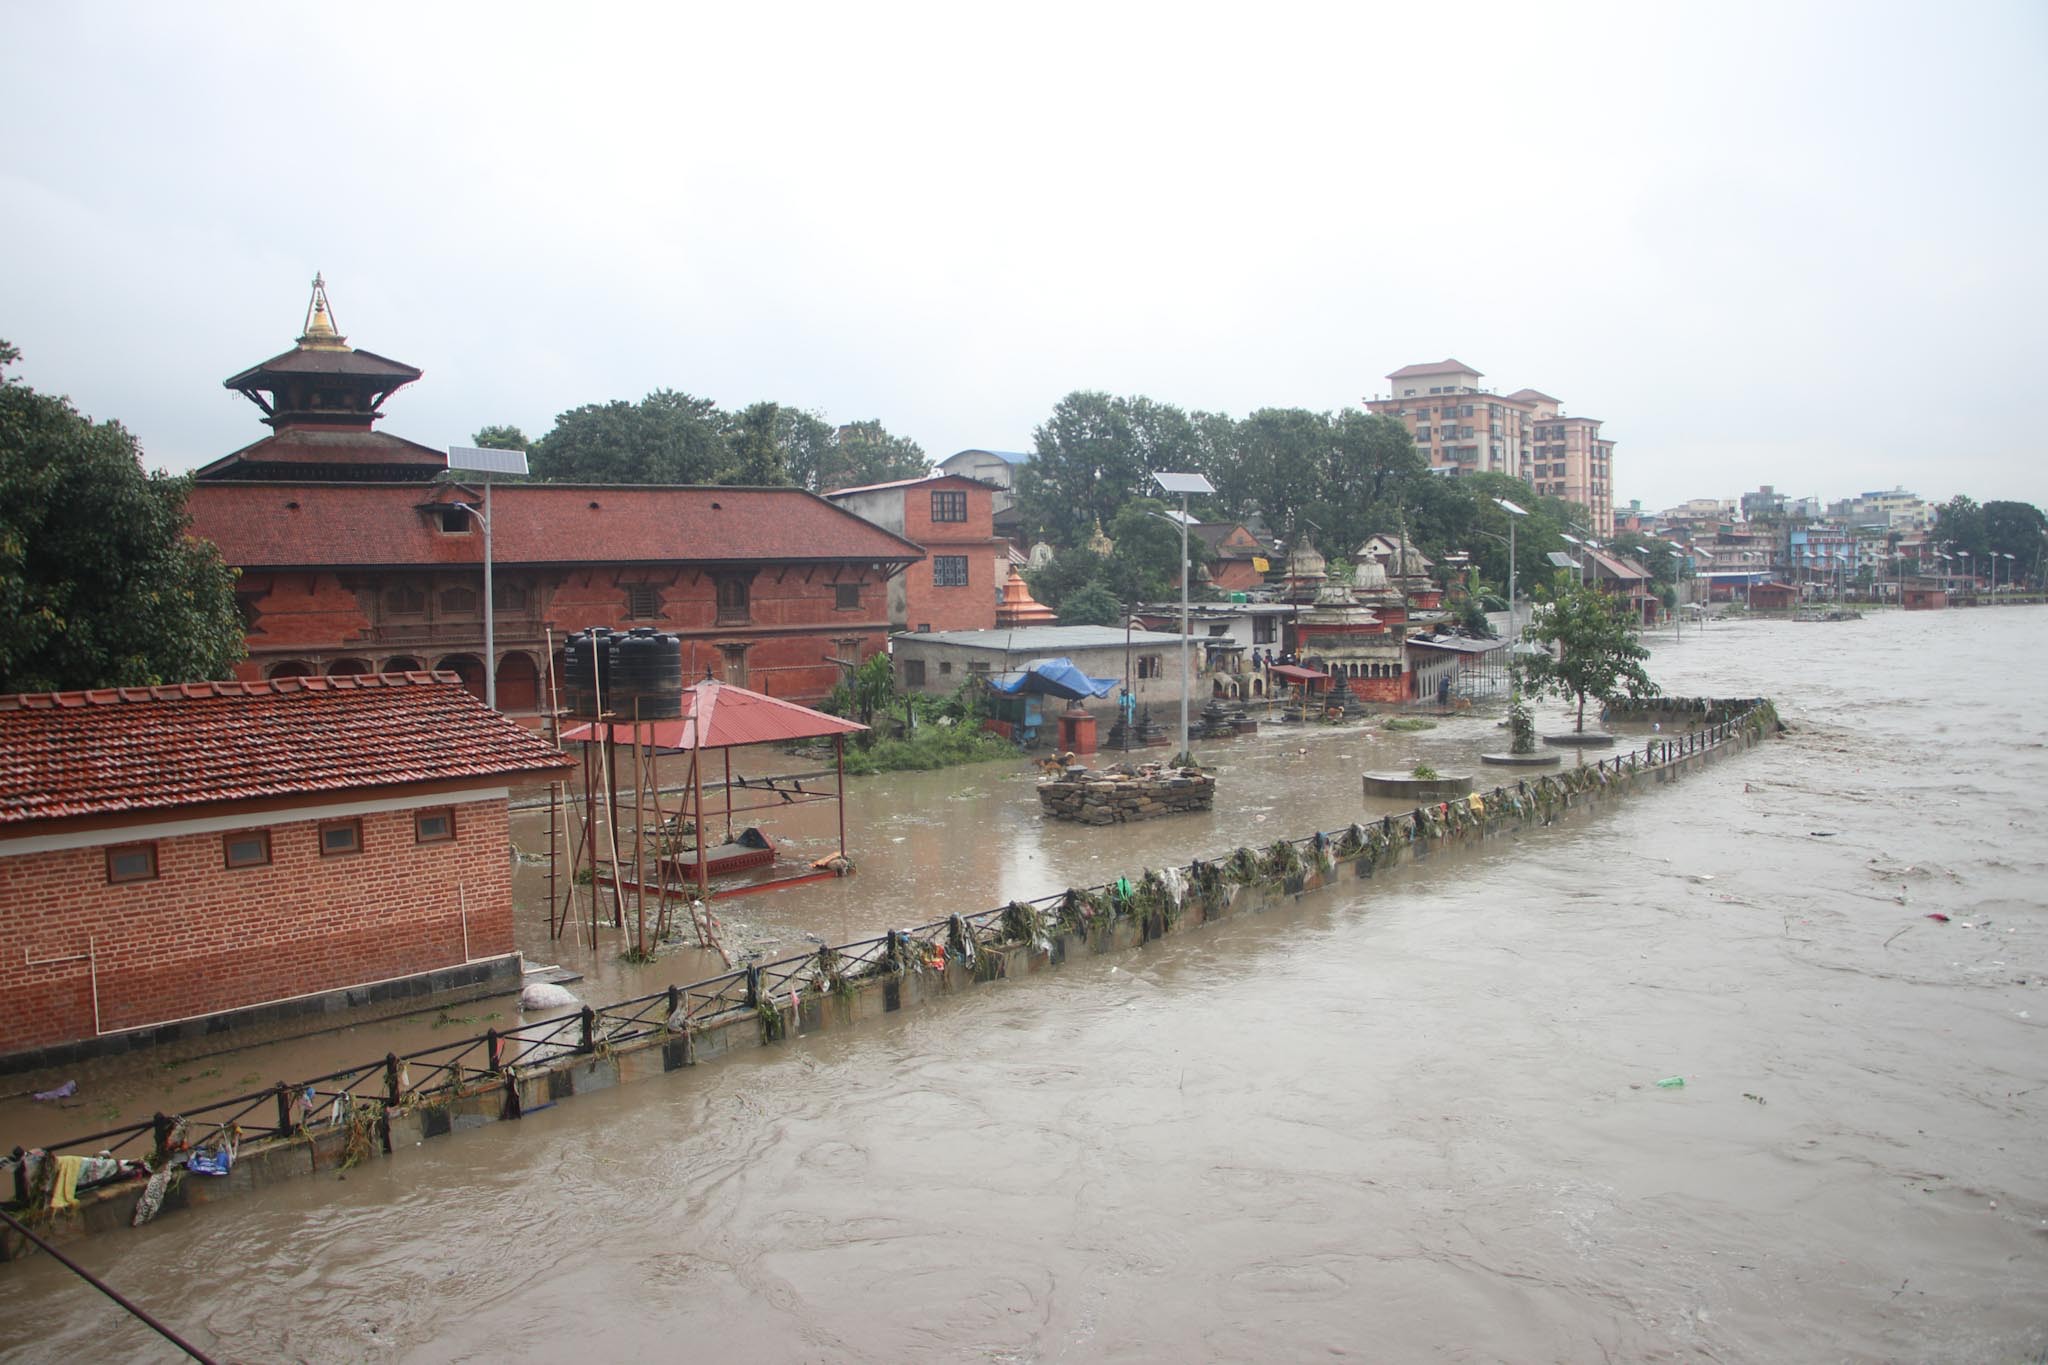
x=929, y=747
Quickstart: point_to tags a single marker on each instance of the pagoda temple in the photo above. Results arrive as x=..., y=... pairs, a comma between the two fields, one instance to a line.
x=321, y=400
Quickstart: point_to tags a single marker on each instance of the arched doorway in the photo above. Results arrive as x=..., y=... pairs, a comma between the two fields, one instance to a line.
x=290, y=668
x=467, y=667
x=404, y=663
x=518, y=684
x=348, y=668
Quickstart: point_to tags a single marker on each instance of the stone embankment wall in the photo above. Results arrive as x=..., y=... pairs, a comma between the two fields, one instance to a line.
x=1107, y=799
x=389, y=1105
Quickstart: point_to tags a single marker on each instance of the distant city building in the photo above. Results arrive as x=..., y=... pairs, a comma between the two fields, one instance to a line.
x=1465, y=428
x=1896, y=510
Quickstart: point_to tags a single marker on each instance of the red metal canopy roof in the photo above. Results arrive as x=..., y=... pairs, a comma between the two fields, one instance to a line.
x=1295, y=673
x=718, y=715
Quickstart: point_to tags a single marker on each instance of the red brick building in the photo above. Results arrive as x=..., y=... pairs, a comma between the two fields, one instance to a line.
x=358, y=556
x=953, y=519
x=174, y=860
x=1238, y=556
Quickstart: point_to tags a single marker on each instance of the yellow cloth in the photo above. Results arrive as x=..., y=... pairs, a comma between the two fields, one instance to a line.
x=1478, y=806
x=64, y=1186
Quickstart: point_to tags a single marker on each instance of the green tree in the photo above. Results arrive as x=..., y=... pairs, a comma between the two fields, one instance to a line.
x=1094, y=454
x=1599, y=654
x=1067, y=572
x=1959, y=525
x=2015, y=528
x=1144, y=563
x=99, y=585
x=1093, y=604
x=502, y=438
x=866, y=452
x=667, y=437
x=757, y=458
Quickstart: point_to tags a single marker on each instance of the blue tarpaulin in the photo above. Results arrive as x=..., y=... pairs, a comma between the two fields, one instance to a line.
x=1053, y=678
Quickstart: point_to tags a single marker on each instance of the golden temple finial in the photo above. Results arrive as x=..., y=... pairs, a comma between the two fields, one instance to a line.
x=320, y=333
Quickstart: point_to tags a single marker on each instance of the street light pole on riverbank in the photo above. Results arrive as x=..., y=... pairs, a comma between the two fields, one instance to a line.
x=1514, y=621
x=487, y=463
x=1185, y=485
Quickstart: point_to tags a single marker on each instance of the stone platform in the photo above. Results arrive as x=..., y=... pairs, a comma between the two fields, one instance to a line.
x=1116, y=797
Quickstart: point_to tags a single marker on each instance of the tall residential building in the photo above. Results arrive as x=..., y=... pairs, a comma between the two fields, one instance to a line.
x=1465, y=428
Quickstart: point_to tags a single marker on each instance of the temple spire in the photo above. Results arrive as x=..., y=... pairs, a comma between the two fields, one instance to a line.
x=320, y=333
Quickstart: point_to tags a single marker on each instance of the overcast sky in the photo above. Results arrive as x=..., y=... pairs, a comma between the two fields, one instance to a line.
x=1794, y=244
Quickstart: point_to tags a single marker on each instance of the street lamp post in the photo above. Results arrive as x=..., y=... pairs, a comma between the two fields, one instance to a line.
x=487, y=463
x=1514, y=621
x=1185, y=485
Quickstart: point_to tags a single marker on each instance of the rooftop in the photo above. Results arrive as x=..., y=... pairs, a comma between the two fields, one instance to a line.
x=1440, y=367
x=284, y=525
x=146, y=750
x=1042, y=640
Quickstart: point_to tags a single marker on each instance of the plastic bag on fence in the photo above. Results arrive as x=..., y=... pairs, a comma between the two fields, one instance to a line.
x=1176, y=885
x=217, y=1157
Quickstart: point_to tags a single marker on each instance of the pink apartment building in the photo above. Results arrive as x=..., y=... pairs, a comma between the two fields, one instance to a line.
x=1466, y=428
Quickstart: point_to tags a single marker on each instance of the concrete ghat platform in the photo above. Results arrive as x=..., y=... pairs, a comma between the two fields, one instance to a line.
x=1522, y=760
x=1412, y=788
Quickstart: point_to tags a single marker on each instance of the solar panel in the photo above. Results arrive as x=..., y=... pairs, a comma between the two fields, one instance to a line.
x=1183, y=483
x=487, y=461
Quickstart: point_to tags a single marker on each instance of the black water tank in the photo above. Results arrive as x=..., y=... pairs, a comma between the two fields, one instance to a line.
x=586, y=671
x=646, y=675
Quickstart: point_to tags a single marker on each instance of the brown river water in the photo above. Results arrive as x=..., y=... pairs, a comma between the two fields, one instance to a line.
x=1410, y=1119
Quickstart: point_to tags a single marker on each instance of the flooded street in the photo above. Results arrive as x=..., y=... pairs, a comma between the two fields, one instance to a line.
x=1413, y=1118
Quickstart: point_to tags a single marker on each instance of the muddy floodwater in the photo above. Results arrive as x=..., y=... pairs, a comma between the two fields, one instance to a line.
x=1415, y=1118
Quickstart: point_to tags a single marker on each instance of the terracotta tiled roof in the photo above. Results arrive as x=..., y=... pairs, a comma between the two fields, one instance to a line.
x=316, y=445
x=285, y=525
x=150, y=750
x=1441, y=367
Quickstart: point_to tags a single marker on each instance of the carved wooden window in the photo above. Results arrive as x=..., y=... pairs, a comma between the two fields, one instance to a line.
x=734, y=606
x=949, y=505
x=643, y=601
x=405, y=599
x=458, y=601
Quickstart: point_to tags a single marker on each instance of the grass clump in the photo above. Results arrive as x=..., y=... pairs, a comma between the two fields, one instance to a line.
x=932, y=746
x=1407, y=723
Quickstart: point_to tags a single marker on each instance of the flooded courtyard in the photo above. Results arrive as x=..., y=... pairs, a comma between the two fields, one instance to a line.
x=1412, y=1118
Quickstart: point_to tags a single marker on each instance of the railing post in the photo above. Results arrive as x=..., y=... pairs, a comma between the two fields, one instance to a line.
x=675, y=1000
x=284, y=1110
x=589, y=1043
x=391, y=1095
x=162, y=1125
x=753, y=987
x=491, y=1042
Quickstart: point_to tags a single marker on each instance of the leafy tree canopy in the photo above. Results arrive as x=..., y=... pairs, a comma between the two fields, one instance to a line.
x=854, y=455
x=1093, y=455
x=1093, y=604
x=1599, y=652
x=502, y=438
x=99, y=586
x=667, y=437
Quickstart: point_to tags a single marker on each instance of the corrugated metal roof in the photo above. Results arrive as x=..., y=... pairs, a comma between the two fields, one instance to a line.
x=1042, y=640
